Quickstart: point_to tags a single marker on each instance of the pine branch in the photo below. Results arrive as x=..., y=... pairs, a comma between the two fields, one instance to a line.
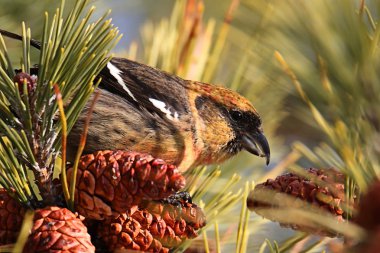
x=72, y=52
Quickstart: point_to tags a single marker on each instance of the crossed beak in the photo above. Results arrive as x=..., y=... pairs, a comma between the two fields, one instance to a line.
x=257, y=144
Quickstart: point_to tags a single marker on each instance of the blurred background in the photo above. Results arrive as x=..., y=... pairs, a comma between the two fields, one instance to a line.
x=309, y=67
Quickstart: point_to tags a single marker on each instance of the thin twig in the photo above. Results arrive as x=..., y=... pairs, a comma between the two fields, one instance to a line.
x=36, y=44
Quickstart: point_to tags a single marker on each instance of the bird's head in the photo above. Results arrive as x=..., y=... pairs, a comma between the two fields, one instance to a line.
x=227, y=123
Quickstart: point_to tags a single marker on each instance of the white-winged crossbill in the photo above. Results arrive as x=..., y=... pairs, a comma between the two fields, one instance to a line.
x=186, y=123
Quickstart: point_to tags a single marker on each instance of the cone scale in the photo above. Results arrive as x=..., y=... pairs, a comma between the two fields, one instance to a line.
x=109, y=183
x=11, y=218
x=57, y=229
x=156, y=227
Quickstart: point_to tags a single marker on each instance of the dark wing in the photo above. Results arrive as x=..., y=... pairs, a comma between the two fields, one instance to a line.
x=146, y=87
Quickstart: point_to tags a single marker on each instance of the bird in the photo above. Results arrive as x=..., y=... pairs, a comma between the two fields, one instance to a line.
x=186, y=123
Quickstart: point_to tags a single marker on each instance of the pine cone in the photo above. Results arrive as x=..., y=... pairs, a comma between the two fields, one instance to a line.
x=125, y=232
x=157, y=228
x=330, y=197
x=57, y=230
x=11, y=218
x=180, y=216
x=369, y=208
x=31, y=82
x=111, y=182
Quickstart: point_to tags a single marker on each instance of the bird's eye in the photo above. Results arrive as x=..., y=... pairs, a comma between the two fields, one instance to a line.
x=236, y=115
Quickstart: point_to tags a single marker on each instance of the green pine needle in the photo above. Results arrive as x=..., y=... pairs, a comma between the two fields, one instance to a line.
x=73, y=51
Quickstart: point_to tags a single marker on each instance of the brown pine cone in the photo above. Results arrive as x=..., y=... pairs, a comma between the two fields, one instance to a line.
x=111, y=182
x=369, y=208
x=11, y=218
x=57, y=229
x=182, y=218
x=157, y=229
x=125, y=232
x=304, y=192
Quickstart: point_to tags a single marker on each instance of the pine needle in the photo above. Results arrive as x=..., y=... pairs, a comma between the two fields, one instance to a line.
x=65, y=187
